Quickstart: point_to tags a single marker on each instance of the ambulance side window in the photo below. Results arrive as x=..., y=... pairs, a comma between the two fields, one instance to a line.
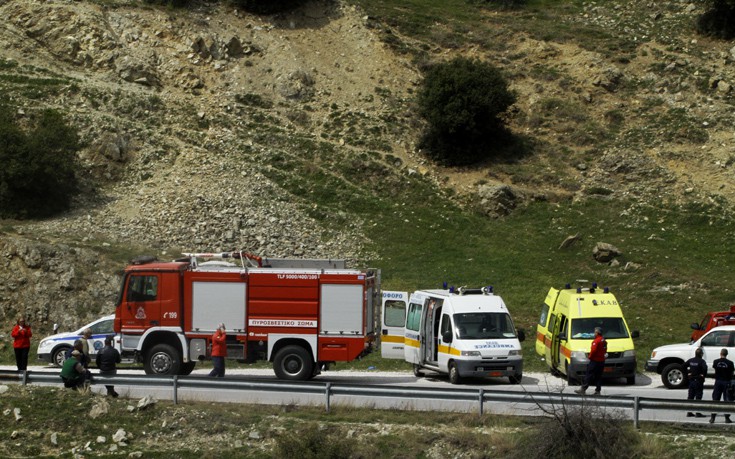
x=563, y=328
x=552, y=321
x=395, y=313
x=413, y=321
x=446, y=324
x=544, y=315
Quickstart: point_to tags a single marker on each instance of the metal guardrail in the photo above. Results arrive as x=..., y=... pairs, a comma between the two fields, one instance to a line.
x=481, y=396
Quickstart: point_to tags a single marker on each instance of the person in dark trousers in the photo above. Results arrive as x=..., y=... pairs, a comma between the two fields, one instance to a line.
x=21, y=334
x=219, y=352
x=724, y=370
x=78, y=346
x=107, y=359
x=73, y=372
x=598, y=350
x=696, y=370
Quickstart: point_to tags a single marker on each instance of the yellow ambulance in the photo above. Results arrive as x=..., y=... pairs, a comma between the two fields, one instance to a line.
x=567, y=326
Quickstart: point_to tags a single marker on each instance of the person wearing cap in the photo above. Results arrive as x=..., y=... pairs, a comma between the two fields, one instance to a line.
x=696, y=370
x=724, y=370
x=73, y=372
x=598, y=351
x=219, y=352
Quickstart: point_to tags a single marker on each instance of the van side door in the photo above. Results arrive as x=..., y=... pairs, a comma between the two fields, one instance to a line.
x=412, y=337
x=393, y=324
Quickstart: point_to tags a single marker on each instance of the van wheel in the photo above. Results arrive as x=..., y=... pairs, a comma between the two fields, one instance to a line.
x=454, y=377
x=673, y=376
x=516, y=379
x=293, y=363
x=162, y=359
x=417, y=371
x=59, y=355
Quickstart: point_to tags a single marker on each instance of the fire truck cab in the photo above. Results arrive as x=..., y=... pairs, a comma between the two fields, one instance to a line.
x=299, y=314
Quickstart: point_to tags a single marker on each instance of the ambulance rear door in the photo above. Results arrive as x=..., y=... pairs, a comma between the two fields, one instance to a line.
x=393, y=323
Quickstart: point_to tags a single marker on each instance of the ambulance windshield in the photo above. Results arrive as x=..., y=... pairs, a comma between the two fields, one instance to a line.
x=484, y=325
x=612, y=327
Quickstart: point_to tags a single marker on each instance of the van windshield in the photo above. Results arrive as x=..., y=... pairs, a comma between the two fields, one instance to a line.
x=484, y=325
x=612, y=328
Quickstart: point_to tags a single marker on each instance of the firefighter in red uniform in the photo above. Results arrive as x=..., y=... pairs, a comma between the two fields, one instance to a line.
x=219, y=352
x=598, y=350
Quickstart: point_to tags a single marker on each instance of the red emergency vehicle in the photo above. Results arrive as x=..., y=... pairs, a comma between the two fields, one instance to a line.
x=712, y=320
x=299, y=314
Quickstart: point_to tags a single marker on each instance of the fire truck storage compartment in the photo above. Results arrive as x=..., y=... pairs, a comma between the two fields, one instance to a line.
x=218, y=302
x=341, y=310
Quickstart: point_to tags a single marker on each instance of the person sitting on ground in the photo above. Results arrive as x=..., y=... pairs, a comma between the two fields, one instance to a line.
x=73, y=373
x=107, y=359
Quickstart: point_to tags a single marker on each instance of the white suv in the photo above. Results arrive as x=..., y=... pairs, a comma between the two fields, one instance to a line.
x=668, y=361
x=52, y=349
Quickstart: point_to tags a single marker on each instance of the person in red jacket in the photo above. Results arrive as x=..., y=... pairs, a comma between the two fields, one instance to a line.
x=597, y=353
x=21, y=343
x=219, y=352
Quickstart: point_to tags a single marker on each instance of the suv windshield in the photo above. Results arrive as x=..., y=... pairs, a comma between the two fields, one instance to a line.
x=612, y=327
x=484, y=325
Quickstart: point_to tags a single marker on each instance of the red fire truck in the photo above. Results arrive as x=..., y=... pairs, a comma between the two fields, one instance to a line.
x=299, y=314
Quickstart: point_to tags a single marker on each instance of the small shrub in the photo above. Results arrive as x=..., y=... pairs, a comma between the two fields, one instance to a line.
x=587, y=431
x=311, y=441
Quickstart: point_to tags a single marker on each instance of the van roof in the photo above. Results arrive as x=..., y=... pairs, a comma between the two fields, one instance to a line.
x=469, y=303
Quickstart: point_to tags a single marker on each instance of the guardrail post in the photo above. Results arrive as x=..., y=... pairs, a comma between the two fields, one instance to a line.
x=176, y=389
x=329, y=386
x=24, y=377
x=636, y=411
x=482, y=396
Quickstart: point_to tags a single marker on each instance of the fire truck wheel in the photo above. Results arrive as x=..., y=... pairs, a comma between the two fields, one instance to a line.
x=673, y=376
x=187, y=368
x=162, y=360
x=293, y=363
x=59, y=356
x=454, y=377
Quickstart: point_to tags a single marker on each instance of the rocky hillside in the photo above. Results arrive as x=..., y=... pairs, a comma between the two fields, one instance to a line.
x=188, y=117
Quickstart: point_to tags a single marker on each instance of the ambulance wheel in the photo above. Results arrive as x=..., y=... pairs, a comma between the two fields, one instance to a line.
x=454, y=377
x=59, y=355
x=417, y=371
x=516, y=379
x=162, y=359
x=293, y=363
x=673, y=376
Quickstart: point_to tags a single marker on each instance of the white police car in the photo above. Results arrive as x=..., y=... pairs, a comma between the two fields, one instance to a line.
x=52, y=349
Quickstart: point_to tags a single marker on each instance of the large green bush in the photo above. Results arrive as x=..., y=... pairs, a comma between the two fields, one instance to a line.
x=462, y=101
x=37, y=177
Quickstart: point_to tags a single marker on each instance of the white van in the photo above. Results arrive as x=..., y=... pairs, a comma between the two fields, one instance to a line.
x=463, y=333
x=52, y=349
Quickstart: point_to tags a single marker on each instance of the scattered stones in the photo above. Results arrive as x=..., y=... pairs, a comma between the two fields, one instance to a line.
x=569, y=241
x=604, y=252
x=16, y=413
x=145, y=403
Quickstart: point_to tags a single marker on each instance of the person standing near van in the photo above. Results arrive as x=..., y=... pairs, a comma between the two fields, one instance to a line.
x=107, y=360
x=696, y=370
x=724, y=370
x=219, y=352
x=598, y=350
x=86, y=337
x=21, y=334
